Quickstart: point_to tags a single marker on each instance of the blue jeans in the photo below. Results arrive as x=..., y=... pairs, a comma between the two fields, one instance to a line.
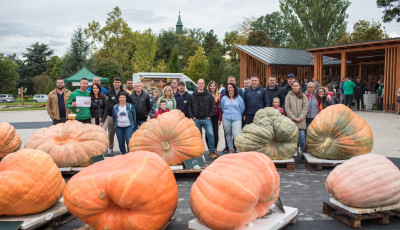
x=206, y=123
x=231, y=128
x=302, y=138
x=124, y=134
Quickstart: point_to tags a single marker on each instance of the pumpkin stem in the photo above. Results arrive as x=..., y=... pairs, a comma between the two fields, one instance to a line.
x=165, y=146
x=102, y=195
x=326, y=144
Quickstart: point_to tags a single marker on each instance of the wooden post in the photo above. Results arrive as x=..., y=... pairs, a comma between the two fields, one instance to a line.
x=361, y=71
x=343, y=65
x=397, y=75
x=318, y=67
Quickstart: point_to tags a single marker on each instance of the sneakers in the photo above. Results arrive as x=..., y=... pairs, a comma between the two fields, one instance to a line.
x=110, y=152
x=226, y=150
x=300, y=152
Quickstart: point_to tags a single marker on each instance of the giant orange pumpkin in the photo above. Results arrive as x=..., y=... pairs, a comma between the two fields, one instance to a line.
x=30, y=183
x=132, y=191
x=337, y=133
x=366, y=181
x=70, y=144
x=171, y=135
x=10, y=141
x=235, y=190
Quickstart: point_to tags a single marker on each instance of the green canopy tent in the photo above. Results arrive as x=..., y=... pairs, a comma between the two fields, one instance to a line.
x=86, y=74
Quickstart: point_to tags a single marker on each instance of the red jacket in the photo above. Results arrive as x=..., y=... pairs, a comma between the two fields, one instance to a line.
x=159, y=112
x=217, y=108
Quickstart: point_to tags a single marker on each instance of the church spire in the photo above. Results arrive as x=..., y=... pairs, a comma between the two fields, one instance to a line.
x=179, y=25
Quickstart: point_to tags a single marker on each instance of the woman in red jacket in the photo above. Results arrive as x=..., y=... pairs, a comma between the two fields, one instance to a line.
x=217, y=116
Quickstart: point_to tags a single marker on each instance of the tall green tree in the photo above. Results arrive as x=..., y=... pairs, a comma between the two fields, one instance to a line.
x=78, y=52
x=364, y=31
x=313, y=23
x=272, y=25
x=166, y=41
x=115, y=40
x=259, y=38
x=210, y=42
x=392, y=9
x=144, y=55
x=197, y=34
x=230, y=39
x=107, y=67
x=197, y=66
x=174, y=64
x=216, y=65
x=9, y=75
x=35, y=60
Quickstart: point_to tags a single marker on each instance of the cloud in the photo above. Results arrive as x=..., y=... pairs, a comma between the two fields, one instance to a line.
x=143, y=16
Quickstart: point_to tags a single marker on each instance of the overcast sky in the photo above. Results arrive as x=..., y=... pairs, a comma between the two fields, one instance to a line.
x=24, y=22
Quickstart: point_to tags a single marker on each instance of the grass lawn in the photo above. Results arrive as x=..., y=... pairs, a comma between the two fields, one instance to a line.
x=16, y=106
x=19, y=109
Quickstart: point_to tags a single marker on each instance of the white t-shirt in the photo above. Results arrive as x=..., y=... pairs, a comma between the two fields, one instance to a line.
x=122, y=117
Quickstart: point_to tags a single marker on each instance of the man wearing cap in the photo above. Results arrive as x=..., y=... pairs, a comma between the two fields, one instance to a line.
x=290, y=79
x=359, y=91
x=182, y=99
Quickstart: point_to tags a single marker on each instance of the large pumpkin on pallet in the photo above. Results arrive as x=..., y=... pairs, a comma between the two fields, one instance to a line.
x=30, y=183
x=70, y=144
x=131, y=191
x=235, y=190
x=270, y=133
x=10, y=141
x=337, y=133
x=171, y=135
x=366, y=181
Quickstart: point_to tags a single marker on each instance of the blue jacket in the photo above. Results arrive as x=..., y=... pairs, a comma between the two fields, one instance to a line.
x=182, y=102
x=232, y=110
x=131, y=114
x=255, y=99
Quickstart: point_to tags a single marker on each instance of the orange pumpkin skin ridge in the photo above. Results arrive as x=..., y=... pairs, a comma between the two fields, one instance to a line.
x=30, y=183
x=366, y=181
x=171, y=135
x=235, y=190
x=337, y=133
x=131, y=191
x=71, y=143
x=10, y=141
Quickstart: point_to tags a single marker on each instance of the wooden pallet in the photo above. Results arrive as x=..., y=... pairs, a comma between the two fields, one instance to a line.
x=316, y=164
x=52, y=218
x=288, y=164
x=354, y=220
x=70, y=171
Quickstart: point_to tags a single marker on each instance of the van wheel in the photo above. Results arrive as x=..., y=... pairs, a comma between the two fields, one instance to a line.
x=34, y=101
x=4, y=101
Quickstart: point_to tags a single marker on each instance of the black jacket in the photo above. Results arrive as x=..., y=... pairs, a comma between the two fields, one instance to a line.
x=98, y=107
x=201, y=105
x=141, y=104
x=359, y=90
x=276, y=92
x=182, y=102
x=111, y=101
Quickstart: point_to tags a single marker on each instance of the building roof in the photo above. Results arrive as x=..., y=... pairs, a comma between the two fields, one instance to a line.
x=179, y=23
x=284, y=56
x=84, y=73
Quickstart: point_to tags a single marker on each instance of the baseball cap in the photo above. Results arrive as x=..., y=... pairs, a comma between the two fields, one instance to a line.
x=291, y=75
x=181, y=83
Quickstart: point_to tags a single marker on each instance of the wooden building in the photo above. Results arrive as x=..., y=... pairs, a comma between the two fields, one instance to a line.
x=370, y=60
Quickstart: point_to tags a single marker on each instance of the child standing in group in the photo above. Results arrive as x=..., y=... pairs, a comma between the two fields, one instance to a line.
x=163, y=108
x=276, y=103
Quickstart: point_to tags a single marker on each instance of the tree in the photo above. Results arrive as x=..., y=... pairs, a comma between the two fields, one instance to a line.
x=197, y=66
x=245, y=26
x=210, y=42
x=272, y=25
x=114, y=41
x=41, y=84
x=107, y=67
x=230, y=39
x=144, y=55
x=166, y=41
x=174, y=65
x=197, y=34
x=78, y=52
x=9, y=75
x=259, y=38
x=34, y=64
x=216, y=65
x=364, y=31
x=392, y=9
x=313, y=23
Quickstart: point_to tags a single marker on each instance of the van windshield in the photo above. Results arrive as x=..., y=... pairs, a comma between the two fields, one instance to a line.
x=155, y=83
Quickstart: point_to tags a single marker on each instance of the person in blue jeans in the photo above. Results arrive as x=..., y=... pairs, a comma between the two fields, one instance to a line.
x=232, y=106
x=201, y=109
x=124, y=117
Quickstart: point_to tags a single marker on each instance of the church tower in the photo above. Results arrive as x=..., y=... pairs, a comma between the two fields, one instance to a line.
x=179, y=25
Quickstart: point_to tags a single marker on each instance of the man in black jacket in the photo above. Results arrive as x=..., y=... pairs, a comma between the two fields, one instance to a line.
x=107, y=117
x=141, y=101
x=182, y=99
x=274, y=90
x=359, y=91
x=201, y=109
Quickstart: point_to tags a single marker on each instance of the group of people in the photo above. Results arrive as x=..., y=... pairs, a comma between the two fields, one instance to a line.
x=122, y=111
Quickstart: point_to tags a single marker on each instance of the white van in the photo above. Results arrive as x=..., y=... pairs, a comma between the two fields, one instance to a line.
x=159, y=80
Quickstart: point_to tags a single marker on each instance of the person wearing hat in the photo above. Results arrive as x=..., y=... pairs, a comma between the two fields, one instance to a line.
x=290, y=79
x=182, y=98
x=359, y=91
